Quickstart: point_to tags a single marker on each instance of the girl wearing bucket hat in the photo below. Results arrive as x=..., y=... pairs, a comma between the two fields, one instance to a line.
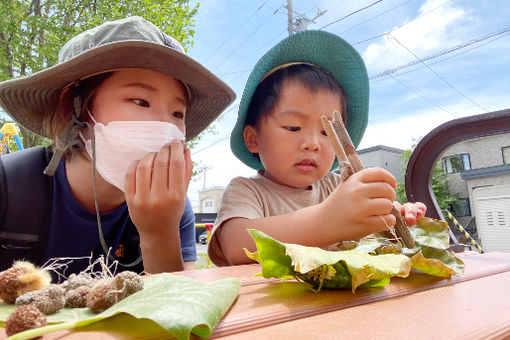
x=294, y=197
x=119, y=105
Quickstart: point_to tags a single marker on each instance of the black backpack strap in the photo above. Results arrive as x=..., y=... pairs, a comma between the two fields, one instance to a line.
x=26, y=197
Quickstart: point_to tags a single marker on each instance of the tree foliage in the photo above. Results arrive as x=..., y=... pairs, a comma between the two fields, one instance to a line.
x=33, y=31
x=444, y=198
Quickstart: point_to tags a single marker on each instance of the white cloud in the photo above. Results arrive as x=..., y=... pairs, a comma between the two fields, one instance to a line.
x=434, y=27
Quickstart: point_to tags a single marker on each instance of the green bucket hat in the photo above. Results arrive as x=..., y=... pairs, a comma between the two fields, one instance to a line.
x=318, y=48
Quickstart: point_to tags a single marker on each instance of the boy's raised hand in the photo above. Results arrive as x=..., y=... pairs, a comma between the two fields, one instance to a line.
x=411, y=211
x=361, y=205
x=156, y=188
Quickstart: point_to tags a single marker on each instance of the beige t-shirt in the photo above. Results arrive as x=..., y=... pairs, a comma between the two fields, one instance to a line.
x=259, y=197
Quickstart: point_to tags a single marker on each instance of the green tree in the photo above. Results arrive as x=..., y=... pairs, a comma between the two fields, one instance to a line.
x=33, y=31
x=445, y=200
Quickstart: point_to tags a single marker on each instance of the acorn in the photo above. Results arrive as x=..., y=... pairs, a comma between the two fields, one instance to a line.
x=127, y=283
x=102, y=296
x=74, y=281
x=21, y=278
x=23, y=318
x=48, y=300
x=77, y=297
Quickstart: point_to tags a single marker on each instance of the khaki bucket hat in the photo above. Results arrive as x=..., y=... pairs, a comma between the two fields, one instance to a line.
x=127, y=43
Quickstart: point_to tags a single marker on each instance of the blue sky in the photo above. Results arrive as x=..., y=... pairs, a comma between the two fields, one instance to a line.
x=441, y=62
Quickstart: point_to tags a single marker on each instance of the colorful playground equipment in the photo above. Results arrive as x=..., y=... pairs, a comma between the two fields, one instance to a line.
x=7, y=131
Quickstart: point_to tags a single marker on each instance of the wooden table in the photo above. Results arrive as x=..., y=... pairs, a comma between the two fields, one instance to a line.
x=474, y=306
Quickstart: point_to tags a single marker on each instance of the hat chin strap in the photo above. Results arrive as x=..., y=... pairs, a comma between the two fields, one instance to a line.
x=69, y=136
x=98, y=217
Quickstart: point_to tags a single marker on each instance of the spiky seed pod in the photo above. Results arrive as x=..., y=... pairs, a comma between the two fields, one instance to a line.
x=48, y=300
x=127, y=283
x=23, y=318
x=77, y=297
x=74, y=281
x=21, y=278
x=102, y=296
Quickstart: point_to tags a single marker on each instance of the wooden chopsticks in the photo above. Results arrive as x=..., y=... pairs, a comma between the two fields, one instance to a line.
x=350, y=163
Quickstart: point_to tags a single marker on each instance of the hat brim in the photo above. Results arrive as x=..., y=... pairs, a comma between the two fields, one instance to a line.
x=319, y=48
x=28, y=99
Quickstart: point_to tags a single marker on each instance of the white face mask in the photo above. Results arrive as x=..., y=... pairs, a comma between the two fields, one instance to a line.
x=120, y=143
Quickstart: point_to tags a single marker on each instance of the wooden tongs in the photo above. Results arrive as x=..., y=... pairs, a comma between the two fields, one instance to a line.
x=349, y=163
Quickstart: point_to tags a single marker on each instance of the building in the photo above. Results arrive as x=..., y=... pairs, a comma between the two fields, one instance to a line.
x=209, y=200
x=384, y=157
x=476, y=163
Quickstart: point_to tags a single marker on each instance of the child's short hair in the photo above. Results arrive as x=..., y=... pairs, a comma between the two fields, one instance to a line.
x=323, y=50
x=268, y=92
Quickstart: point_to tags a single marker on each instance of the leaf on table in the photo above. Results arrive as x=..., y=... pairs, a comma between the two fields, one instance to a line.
x=271, y=255
x=437, y=262
x=178, y=304
x=431, y=254
x=431, y=233
x=282, y=260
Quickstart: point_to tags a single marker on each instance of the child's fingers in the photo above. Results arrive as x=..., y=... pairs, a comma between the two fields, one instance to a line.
x=189, y=166
x=144, y=172
x=422, y=209
x=378, y=206
x=369, y=175
x=413, y=211
x=177, y=175
x=130, y=180
x=160, y=169
x=380, y=222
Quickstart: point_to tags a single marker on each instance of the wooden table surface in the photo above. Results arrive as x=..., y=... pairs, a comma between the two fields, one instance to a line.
x=474, y=306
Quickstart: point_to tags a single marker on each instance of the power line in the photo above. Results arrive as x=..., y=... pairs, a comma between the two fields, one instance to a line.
x=273, y=40
x=399, y=27
x=348, y=15
x=440, y=53
x=234, y=32
x=247, y=38
x=214, y=143
x=450, y=57
x=437, y=75
x=430, y=100
x=377, y=16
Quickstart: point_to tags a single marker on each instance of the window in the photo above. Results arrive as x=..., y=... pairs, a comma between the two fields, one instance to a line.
x=208, y=205
x=456, y=163
x=506, y=154
x=461, y=208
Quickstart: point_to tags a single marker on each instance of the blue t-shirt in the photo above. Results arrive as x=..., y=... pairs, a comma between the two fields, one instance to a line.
x=74, y=231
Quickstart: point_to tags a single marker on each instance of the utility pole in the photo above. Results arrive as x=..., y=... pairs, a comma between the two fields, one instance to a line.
x=290, y=16
x=302, y=21
x=205, y=168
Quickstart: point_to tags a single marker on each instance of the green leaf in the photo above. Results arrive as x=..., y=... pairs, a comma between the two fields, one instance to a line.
x=431, y=254
x=271, y=254
x=431, y=232
x=437, y=262
x=282, y=260
x=178, y=304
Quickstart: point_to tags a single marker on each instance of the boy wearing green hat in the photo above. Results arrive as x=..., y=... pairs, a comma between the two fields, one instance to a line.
x=295, y=197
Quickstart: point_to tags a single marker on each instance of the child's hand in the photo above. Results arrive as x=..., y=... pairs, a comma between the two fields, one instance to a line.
x=411, y=211
x=156, y=188
x=361, y=205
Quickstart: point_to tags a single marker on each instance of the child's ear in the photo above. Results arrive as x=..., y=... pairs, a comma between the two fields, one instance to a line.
x=250, y=139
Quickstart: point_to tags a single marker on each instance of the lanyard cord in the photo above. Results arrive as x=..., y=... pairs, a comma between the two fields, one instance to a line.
x=99, y=226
